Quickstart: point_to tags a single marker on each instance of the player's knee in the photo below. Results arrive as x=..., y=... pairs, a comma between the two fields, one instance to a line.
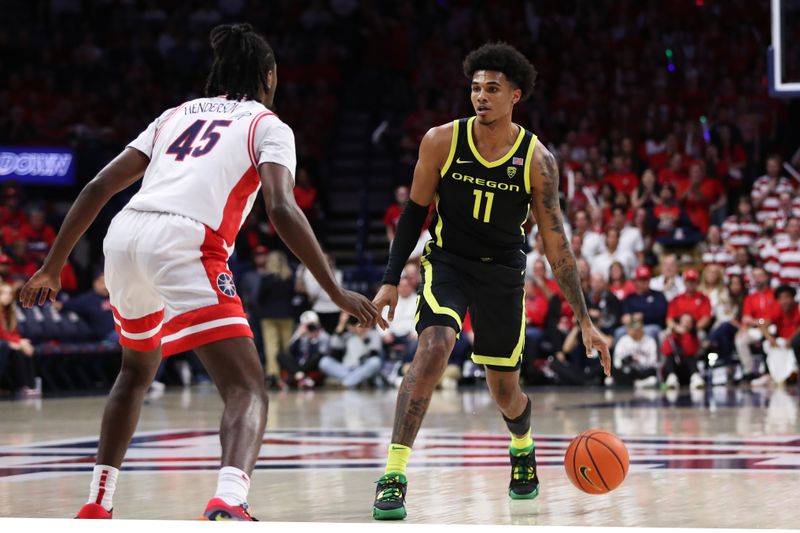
x=250, y=391
x=136, y=376
x=434, y=352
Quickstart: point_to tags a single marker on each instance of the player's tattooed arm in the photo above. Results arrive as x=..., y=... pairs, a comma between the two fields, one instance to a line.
x=548, y=215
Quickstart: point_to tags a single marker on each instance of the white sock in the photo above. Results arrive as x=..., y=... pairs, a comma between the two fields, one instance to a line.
x=232, y=485
x=104, y=483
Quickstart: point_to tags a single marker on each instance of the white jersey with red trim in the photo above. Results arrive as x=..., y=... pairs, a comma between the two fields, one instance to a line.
x=740, y=232
x=766, y=195
x=204, y=156
x=789, y=260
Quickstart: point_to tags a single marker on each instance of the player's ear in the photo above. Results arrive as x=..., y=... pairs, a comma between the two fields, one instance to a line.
x=516, y=96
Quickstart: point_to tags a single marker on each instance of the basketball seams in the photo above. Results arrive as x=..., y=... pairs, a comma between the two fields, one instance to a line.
x=596, y=469
x=575, y=461
x=624, y=472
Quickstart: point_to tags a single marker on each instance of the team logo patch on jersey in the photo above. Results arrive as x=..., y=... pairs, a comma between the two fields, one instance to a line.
x=511, y=171
x=225, y=284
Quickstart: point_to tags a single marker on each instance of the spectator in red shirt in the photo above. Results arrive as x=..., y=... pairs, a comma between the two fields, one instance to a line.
x=701, y=197
x=11, y=213
x=22, y=265
x=618, y=283
x=784, y=315
x=732, y=153
x=667, y=212
x=16, y=352
x=38, y=230
x=794, y=339
x=393, y=212
x=305, y=194
x=756, y=310
x=621, y=177
x=673, y=174
x=780, y=331
x=544, y=311
x=680, y=349
x=691, y=302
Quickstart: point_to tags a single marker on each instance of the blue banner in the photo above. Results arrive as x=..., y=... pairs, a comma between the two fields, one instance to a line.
x=37, y=165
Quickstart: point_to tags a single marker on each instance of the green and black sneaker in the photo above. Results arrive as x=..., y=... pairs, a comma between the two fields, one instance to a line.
x=524, y=483
x=390, y=497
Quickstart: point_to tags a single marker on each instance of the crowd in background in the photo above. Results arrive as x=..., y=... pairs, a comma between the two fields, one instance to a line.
x=680, y=211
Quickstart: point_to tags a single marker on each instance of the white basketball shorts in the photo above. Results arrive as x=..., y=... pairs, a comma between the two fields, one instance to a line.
x=169, y=283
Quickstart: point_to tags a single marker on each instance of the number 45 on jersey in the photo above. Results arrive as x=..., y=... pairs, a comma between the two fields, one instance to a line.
x=184, y=144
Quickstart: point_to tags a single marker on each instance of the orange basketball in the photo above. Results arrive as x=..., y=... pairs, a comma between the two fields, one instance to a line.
x=596, y=461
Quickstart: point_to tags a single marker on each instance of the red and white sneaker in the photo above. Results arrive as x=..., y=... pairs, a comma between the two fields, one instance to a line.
x=217, y=509
x=94, y=511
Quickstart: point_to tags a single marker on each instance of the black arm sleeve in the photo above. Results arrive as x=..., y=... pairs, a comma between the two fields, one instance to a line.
x=408, y=229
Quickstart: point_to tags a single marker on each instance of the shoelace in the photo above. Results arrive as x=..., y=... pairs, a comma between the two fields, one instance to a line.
x=389, y=489
x=522, y=469
x=246, y=508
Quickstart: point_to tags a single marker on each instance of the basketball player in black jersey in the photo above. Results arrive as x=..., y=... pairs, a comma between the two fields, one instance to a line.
x=483, y=174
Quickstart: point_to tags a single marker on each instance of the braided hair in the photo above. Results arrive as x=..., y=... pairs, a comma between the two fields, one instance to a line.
x=242, y=59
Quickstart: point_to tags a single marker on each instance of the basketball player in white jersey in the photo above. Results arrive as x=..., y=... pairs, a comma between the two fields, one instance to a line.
x=166, y=257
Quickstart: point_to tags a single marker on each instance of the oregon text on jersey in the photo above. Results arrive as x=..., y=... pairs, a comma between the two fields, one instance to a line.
x=485, y=182
x=481, y=205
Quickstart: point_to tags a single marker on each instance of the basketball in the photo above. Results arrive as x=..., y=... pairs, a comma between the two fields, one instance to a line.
x=596, y=461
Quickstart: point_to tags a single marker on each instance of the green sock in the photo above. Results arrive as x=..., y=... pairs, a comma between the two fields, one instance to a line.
x=398, y=458
x=523, y=442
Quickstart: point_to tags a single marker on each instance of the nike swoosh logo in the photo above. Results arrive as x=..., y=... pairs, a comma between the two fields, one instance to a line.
x=583, y=471
x=459, y=160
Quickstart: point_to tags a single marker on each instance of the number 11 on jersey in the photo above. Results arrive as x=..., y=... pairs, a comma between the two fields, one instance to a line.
x=487, y=211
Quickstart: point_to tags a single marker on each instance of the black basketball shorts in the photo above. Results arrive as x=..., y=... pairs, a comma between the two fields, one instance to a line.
x=494, y=294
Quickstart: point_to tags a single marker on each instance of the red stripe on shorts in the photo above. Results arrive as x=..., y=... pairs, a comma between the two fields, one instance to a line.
x=203, y=315
x=200, y=338
x=141, y=324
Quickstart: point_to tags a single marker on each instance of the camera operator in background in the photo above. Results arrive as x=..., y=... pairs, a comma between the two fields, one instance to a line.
x=308, y=345
x=361, y=349
x=635, y=357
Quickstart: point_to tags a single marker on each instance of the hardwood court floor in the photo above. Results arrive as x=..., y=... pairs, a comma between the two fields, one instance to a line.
x=722, y=458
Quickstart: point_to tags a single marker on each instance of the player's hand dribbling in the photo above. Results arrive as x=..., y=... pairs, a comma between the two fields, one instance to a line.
x=387, y=295
x=360, y=307
x=42, y=286
x=594, y=340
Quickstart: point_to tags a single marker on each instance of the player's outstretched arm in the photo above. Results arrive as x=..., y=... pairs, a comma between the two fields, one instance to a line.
x=120, y=173
x=293, y=228
x=433, y=151
x=546, y=209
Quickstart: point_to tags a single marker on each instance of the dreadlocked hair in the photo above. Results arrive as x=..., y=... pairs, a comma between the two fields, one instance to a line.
x=242, y=59
x=502, y=57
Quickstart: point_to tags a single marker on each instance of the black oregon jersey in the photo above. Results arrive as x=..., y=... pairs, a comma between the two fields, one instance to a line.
x=482, y=205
